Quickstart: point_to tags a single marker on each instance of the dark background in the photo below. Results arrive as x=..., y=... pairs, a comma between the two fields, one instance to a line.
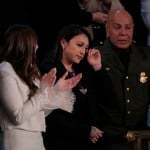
x=43, y=17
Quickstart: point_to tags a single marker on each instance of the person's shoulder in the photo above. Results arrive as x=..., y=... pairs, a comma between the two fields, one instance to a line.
x=6, y=67
x=144, y=48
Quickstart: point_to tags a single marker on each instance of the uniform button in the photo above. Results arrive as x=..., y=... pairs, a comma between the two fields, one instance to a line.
x=128, y=101
x=107, y=68
x=129, y=112
x=128, y=89
x=101, y=42
x=126, y=77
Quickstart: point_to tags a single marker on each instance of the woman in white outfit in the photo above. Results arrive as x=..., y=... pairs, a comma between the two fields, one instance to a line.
x=25, y=97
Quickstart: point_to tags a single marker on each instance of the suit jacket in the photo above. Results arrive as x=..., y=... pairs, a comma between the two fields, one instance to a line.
x=123, y=95
x=17, y=111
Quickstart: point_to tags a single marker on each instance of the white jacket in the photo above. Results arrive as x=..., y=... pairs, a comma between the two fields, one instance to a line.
x=17, y=111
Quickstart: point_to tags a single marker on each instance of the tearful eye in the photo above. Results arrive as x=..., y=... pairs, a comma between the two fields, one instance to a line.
x=80, y=45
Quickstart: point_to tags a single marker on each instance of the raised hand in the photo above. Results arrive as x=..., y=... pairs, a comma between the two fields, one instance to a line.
x=99, y=17
x=48, y=79
x=94, y=59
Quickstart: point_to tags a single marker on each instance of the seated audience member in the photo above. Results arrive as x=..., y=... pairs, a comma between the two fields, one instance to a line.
x=122, y=84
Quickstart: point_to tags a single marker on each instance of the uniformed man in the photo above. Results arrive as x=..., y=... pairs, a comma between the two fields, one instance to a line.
x=123, y=84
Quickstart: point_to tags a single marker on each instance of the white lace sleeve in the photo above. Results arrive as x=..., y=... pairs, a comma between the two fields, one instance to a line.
x=58, y=99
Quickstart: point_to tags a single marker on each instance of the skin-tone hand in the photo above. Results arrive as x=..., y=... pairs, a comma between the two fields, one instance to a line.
x=99, y=17
x=48, y=79
x=95, y=134
x=64, y=84
x=94, y=59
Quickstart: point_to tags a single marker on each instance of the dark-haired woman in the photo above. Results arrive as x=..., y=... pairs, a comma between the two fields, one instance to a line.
x=75, y=130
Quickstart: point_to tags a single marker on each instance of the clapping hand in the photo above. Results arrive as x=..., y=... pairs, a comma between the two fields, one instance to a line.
x=48, y=79
x=64, y=84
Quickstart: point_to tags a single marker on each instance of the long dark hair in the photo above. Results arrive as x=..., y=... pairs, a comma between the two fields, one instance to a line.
x=19, y=49
x=67, y=32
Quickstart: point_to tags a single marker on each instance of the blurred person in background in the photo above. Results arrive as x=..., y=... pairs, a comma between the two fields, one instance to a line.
x=97, y=30
x=140, y=29
x=145, y=12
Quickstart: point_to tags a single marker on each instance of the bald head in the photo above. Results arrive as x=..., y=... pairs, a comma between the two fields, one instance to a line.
x=114, y=14
x=119, y=28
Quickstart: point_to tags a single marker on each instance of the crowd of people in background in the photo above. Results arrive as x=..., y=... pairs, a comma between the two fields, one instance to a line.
x=78, y=70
